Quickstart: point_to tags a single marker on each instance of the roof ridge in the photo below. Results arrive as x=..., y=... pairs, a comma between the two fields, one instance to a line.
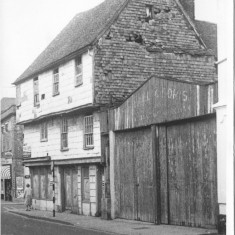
x=68, y=41
x=190, y=22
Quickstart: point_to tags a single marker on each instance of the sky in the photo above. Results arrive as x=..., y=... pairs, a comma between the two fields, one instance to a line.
x=28, y=26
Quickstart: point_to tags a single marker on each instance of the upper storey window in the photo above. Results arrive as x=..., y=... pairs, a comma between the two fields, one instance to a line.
x=78, y=71
x=43, y=131
x=56, y=81
x=64, y=134
x=36, y=92
x=88, y=132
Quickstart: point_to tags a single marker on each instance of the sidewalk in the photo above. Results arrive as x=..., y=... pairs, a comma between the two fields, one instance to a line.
x=15, y=201
x=117, y=226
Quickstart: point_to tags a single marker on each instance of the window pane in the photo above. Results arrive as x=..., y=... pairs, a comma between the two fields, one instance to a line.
x=78, y=68
x=45, y=131
x=86, y=189
x=88, y=130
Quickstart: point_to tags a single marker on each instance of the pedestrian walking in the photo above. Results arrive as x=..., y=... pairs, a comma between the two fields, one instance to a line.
x=28, y=197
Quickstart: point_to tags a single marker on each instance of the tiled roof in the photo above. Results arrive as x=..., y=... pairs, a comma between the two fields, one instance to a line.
x=208, y=32
x=81, y=31
x=7, y=103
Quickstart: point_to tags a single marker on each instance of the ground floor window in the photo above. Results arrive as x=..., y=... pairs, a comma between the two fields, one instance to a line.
x=41, y=187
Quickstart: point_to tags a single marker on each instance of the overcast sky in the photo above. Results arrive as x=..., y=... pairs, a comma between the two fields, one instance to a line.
x=28, y=26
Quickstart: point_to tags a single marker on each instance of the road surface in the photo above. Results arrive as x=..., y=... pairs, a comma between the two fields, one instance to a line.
x=12, y=224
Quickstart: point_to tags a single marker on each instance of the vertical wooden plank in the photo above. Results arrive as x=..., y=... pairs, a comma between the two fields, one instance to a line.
x=156, y=175
x=192, y=173
x=144, y=173
x=80, y=190
x=163, y=173
x=74, y=190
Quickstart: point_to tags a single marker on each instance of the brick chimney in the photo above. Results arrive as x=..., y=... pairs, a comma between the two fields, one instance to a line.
x=189, y=7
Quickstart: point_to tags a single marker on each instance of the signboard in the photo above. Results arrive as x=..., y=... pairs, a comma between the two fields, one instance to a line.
x=5, y=161
x=19, y=187
x=162, y=100
x=26, y=151
x=8, y=154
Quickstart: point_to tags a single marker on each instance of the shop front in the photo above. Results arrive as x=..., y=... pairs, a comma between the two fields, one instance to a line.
x=77, y=185
x=6, y=183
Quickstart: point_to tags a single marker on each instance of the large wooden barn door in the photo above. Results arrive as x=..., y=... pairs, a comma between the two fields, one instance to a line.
x=134, y=175
x=188, y=161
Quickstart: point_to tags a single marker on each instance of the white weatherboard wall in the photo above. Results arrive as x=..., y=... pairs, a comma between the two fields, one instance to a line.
x=75, y=139
x=69, y=97
x=225, y=113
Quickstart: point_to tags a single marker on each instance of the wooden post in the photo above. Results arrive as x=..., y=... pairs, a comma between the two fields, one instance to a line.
x=53, y=185
x=112, y=175
x=156, y=175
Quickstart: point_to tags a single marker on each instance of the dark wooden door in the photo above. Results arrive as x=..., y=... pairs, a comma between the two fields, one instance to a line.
x=188, y=165
x=71, y=189
x=134, y=175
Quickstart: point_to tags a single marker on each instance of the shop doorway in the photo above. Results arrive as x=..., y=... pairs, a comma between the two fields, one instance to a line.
x=8, y=189
x=71, y=189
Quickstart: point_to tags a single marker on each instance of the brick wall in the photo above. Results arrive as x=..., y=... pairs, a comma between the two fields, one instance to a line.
x=134, y=48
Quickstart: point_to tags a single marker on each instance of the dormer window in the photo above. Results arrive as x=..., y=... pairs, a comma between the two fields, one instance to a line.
x=56, y=82
x=149, y=12
x=78, y=71
x=36, y=92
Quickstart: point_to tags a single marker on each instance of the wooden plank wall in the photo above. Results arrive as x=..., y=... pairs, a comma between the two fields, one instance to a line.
x=188, y=173
x=161, y=100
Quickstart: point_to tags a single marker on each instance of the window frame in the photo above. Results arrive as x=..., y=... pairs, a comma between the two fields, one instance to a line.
x=36, y=100
x=78, y=80
x=88, y=132
x=64, y=133
x=56, y=82
x=44, y=131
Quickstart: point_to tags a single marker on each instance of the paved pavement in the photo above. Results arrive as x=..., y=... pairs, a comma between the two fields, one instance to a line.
x=12, y=224
x=117, y=226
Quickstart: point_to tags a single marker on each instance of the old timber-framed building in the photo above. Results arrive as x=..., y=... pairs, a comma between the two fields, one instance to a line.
x=97, y=61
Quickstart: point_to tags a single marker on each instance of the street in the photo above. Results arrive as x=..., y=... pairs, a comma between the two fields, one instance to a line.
x=12, y=224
